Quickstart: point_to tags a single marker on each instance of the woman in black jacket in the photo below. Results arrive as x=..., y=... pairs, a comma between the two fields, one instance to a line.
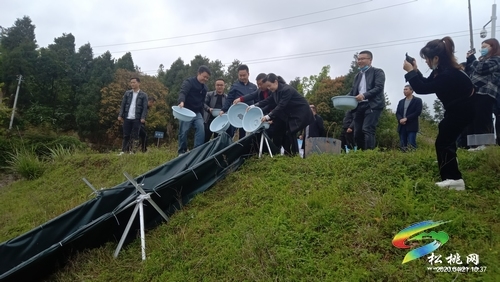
x=288, y=106
x=455, y=90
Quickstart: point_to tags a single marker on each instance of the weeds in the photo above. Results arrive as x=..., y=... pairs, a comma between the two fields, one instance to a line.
x=26, y=163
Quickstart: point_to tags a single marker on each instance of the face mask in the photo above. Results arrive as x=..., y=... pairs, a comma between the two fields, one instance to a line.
x=363, y=68
x=433, y=67
x=484, y=51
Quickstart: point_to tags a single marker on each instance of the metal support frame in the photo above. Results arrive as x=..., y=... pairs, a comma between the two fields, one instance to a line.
x=139, y=206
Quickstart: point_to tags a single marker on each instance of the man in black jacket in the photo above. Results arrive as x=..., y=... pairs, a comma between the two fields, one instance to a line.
x=143, y=134
x=192, y=96
x=407, y=113
x=315, y=129
x=240, y=88
x=133, y=112
x=368, y=88
x=347, y=134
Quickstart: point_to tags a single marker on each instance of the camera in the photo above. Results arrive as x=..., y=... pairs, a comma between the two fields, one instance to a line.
x=483, y=33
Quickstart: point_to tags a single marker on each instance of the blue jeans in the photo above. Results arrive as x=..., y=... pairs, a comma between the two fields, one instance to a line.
x=407, y=139
x=199, y=135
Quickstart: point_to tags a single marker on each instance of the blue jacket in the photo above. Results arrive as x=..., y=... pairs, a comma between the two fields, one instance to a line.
x=193, y=95
x=237, y=90
x=413, y=111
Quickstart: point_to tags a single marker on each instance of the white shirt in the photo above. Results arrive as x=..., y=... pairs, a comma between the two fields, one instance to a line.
x=362, y=83
x=131, y=110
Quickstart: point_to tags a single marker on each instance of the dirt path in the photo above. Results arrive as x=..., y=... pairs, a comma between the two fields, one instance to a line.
x=6, y=179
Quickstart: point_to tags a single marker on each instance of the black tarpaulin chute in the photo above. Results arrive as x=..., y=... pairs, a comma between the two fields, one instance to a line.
x=37, y=253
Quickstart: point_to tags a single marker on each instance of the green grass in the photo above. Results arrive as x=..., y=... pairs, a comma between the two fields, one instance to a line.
x=324, y=218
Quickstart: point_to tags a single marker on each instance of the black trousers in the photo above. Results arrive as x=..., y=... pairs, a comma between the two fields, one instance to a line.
x=365, y=125
x=143, y=138
x=131, y=128
x=497, y=127
x=347, y=139
x=450, y=128
x=483, y=115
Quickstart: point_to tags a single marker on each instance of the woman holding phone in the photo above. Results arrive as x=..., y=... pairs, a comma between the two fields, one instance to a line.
x=455, y=90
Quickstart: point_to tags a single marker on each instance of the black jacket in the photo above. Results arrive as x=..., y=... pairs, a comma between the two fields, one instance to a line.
x=413, y=111
x=141, y=104
x=316, y=128
x=452, y=86
x=193, y=95
x=238, y=89
x=348, y=121
x=375, y=80
x=257, y=96
x=290, y=107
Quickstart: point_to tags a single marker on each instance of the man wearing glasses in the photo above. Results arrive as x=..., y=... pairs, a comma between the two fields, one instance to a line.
x=368, y=88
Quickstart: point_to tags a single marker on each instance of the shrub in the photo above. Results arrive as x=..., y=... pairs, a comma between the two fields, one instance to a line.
x=26, y=163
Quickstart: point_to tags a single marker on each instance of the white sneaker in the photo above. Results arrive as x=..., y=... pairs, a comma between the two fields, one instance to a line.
x=121, y=153
x=479, y=148
x=458, y=184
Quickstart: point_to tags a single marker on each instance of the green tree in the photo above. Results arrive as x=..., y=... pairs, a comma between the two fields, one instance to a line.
x=311, y=84
x=232, y=73
x=297, y=85
x=438, y=110
x=126, y=62
x=89, y=100
x=426, y=114
x=18, y=49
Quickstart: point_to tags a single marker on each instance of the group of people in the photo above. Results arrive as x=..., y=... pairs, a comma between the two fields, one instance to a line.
x=468, y=92
x=283, y=107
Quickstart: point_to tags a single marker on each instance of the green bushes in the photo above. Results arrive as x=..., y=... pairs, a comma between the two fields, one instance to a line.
x=26, y=163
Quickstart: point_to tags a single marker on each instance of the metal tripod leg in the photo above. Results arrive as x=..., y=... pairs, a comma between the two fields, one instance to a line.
x=125, y=232
x=139, y=205
x=262, y=138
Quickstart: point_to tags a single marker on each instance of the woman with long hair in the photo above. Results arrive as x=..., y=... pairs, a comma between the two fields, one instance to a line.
x=485, y=74
x=288, y=106
x=455, y=90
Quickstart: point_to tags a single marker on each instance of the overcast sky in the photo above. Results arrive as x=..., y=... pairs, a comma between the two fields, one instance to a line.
x=266, y=35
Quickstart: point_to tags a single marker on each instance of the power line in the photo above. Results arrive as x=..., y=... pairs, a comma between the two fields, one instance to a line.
x=345, y=49
x=234, y=28
x=265, y=31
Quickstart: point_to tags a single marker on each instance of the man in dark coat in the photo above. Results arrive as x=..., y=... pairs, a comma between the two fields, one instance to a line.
x=368, y=88
x=143, y=134
x=192, y=96
x=315, y=129
x=240, y=88
x=407, y=113
x=347, y=134
x=133, y=112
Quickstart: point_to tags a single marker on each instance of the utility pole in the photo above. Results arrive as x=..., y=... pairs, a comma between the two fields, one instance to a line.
x=15, y=101
x=471, y=37
x=493, y=20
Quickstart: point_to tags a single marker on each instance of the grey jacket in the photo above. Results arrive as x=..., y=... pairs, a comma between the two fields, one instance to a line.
x=210, y=100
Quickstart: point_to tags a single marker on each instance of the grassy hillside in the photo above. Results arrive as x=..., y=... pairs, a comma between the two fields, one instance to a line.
x=324, y=218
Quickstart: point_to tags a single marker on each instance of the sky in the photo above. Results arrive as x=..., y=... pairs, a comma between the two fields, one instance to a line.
x=288, y=37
